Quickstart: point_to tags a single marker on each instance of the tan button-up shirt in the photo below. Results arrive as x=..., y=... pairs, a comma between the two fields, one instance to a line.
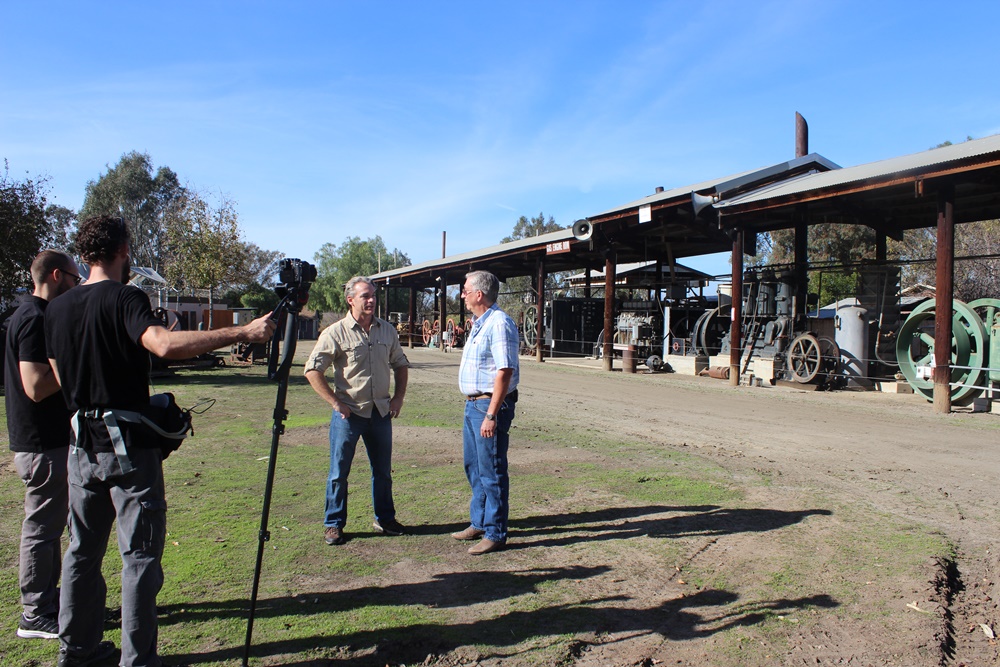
x=361, y=362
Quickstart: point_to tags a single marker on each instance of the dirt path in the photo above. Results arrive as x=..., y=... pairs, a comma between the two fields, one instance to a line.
x=882, y=453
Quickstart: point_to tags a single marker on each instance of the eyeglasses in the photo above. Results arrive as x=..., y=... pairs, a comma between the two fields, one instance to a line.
x=467, y=292
x=76, y=279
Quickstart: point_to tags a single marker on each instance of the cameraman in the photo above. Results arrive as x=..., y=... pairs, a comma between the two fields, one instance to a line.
x=99, y=338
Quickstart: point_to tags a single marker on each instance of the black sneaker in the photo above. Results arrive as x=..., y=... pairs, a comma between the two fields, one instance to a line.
x=38, y=627
x=333, y=535
x=389, y=527
x=104, y=653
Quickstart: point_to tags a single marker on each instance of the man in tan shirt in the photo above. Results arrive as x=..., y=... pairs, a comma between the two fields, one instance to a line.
x=362, y=349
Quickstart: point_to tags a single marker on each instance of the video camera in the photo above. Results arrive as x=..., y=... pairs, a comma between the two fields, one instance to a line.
x=294, y=275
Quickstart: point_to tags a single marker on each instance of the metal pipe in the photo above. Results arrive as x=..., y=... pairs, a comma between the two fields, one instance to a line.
x=801, y=136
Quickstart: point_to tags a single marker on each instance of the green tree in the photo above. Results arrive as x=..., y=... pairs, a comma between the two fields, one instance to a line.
x=62, y=220
x=512, y=296
x=254, y=278
x=974, y=278
x=335, y=265
x=830, y=244
x=203, y=245
x=24, y=230
x=131, y=189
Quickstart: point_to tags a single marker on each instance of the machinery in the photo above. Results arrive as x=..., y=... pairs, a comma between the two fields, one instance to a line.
x=975, y=344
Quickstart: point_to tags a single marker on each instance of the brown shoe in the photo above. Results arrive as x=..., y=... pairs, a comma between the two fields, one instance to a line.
x=485, y=547
x=333, y=535
x=469, y=533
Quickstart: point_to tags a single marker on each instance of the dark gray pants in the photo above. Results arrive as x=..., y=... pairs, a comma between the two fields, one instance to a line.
x=45, y=507
x=98, y=494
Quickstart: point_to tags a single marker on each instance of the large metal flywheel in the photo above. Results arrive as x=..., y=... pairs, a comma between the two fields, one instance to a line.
x=969, y=346
x=811, y=359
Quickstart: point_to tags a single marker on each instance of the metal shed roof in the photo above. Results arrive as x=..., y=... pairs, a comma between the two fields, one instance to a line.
x=886, y=193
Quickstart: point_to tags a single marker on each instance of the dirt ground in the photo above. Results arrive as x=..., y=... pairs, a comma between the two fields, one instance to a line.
x=883, y=454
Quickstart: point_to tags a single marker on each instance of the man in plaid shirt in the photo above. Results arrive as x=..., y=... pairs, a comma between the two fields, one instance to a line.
x=488, y=377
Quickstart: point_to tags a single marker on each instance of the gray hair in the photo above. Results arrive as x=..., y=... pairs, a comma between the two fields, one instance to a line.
x=485, y=282
x=353, y=282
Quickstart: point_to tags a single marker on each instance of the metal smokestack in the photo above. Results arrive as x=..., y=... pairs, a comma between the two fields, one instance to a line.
x=801, y=136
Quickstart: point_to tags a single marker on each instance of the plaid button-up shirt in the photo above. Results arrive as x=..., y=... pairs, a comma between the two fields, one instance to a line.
x=492, y=344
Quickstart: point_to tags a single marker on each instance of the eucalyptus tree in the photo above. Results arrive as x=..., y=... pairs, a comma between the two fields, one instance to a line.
x=142, y=196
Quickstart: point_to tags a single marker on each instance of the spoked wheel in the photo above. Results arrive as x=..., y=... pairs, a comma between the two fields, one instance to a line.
x=530, y=325
x=805, y=358
x=425, y=330
x=915, y=349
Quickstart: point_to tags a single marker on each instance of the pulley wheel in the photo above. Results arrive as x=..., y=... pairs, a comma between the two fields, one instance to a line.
x=425, y=330
x=805, y=358
x=969, y=342
x=530, y=333
x=654, y=363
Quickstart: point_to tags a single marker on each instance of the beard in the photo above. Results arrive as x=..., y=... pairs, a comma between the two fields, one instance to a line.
x=126, y=269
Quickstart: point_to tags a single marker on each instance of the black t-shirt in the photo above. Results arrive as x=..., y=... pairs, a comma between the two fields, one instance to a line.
x=31, y=426
x=93, y=332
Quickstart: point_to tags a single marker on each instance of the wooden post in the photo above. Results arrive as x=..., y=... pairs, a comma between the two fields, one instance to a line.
x=944, y=295
x=540, y=310
x=413, y=316
x=735, y=338
x=443, y=311
x=609, y=311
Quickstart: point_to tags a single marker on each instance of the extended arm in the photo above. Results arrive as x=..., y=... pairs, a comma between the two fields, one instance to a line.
x=186, y=344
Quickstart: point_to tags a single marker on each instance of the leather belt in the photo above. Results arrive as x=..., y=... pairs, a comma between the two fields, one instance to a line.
x=512, y=396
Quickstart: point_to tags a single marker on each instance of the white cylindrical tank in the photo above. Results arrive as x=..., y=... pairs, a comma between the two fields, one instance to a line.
x=725, y=294
x=852, y=338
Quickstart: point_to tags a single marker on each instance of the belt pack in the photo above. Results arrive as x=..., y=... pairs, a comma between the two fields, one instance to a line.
x=163, y=425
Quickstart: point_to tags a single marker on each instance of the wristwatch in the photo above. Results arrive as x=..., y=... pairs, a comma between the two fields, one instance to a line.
x=492, y=418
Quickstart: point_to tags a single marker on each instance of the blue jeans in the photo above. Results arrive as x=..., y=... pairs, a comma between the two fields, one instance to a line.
x=376, y=431
x=486, y=468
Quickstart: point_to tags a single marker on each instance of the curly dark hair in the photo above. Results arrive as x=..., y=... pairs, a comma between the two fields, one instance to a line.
x=99, y=238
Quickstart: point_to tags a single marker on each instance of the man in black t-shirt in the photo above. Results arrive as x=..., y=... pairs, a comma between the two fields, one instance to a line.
x=99, y=339
x=38, y=427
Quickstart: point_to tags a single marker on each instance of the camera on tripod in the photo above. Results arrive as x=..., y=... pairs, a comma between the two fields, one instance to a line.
x=295, y=274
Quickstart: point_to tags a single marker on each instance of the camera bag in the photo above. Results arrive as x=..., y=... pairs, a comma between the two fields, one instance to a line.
x=166, y=423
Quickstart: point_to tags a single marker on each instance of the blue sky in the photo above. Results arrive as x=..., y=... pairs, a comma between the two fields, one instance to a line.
x=324, y=120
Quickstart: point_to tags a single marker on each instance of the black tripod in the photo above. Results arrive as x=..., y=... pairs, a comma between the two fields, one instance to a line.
x=287, y=314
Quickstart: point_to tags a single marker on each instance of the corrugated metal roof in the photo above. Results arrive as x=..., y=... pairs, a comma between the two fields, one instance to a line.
x=872, y=171
x=725, y=183
x=645, y=267
x=674, y=193
x=482, y=254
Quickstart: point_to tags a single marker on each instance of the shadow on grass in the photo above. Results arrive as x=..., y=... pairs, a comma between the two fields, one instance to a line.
x=687, y=617
x=620, y=523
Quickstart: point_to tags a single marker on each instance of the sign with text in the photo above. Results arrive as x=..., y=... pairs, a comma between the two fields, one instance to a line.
x=556, y=248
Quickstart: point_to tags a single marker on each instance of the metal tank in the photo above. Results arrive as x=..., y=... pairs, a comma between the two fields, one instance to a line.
x=852, y=338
